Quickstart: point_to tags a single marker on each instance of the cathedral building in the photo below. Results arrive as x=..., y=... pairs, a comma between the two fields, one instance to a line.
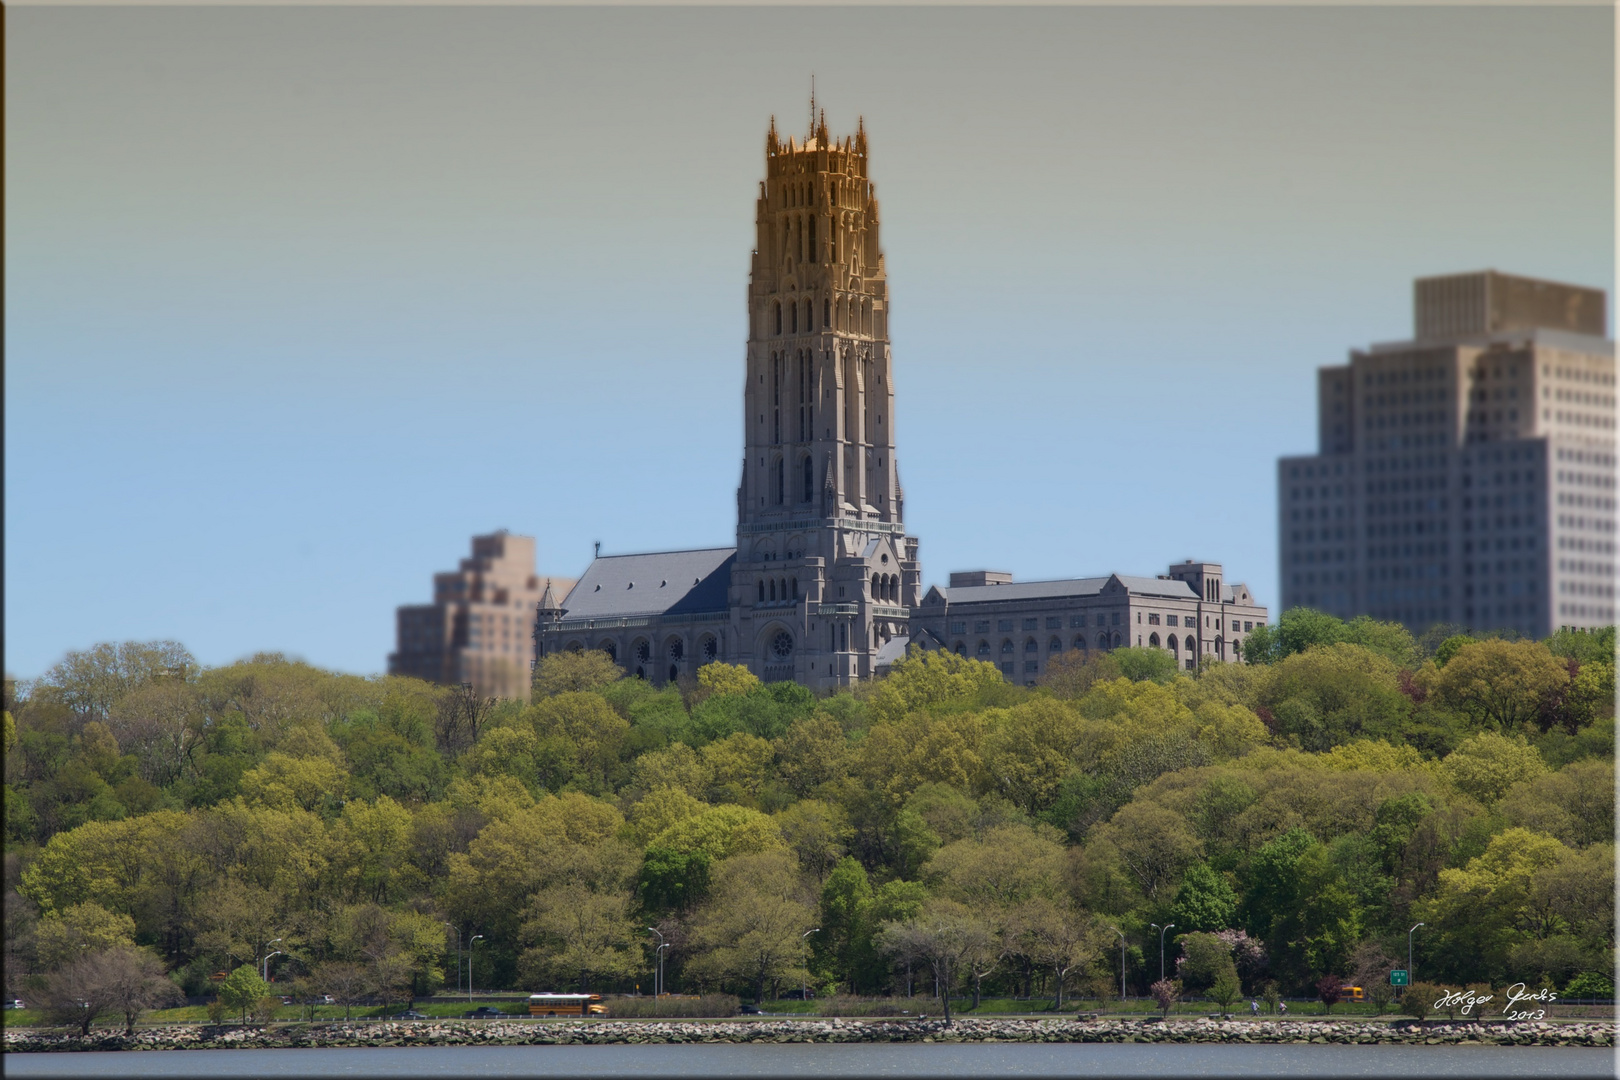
x=820, y=585
x=824, y=582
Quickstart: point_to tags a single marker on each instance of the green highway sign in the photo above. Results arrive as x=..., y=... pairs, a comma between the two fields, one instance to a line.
x=1397, y=978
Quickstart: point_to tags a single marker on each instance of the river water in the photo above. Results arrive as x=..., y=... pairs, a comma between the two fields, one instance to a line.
x=666, y=1062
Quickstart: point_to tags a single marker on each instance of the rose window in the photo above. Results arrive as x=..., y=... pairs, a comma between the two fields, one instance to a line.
x=782, y=645
x=676, y=651
x=643, y=652
x=711, y=649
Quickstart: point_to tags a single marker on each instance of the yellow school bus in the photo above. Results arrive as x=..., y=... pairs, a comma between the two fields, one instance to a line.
x=1351, y=993
x=566, y=1005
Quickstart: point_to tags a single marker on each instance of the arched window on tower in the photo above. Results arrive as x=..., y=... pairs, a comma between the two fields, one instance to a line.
x=779, y=316
x=795, y=588
x=781, y=481
x=773, y=592
x=794, y=315
x=762, y=592
x=1153, y=640
x=809, y=478
x=875, y=595
x=814, y=254
x=1170, y=643
x=826, y=312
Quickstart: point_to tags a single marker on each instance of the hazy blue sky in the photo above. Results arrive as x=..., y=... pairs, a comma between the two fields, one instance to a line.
x=298, y=300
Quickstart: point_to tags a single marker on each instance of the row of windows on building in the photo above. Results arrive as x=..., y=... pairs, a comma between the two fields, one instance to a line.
x=1101, y=641
x=1581, y=543
x=1585, y=457
x=1407, y=375
x=1586, y=566
x=1384, y=465
x=1578, y=521
x=852, y=314
x=1585, y=375
x=1055, y=622
x=1582, y=419
x=1379, y=422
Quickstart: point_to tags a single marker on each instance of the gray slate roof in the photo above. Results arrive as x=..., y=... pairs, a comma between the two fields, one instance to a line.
x=657, y=583
x=891, y=650
x=1079, y=588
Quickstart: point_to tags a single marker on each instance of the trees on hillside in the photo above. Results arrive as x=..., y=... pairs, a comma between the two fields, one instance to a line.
x=1301, y=810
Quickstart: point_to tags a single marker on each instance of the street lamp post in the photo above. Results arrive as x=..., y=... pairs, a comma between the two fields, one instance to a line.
x=263, y=962
x=470, y=954
x=265, y=967
x=804, y=983
x=1162, y=931
x=658, y=976
x=1115, y=929
x=1409, y=933
x=458, y=956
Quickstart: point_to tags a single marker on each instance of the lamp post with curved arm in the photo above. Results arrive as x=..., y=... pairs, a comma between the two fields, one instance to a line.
x=658, y=978
x=470, y=942
x=1162, y=931
x=264, y=972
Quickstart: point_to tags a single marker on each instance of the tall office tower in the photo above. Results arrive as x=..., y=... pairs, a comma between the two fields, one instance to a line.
x=478, y=628
x=825, y=573
x=1465, y=476
x=820, y=585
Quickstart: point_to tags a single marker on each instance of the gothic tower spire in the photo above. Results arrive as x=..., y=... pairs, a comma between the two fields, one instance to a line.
x=825, y=574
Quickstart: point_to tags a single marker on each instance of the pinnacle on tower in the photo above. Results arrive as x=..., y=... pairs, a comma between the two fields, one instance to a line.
x=821, y=131
x=772, y=144
x=860, y=135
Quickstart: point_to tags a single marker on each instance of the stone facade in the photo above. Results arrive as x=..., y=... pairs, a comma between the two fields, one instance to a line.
x=824, y=585
x=1466, y=476
x=1022, y=626
x=823, y=575
x=477, y=629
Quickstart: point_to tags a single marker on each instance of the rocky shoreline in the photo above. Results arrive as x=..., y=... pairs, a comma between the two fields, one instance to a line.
x=576, y=1033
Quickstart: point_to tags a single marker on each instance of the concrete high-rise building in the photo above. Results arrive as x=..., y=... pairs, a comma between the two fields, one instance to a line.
x=478, y=628
x=1465, y=476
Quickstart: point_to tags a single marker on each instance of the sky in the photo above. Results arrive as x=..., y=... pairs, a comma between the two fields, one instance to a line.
x=299, y=300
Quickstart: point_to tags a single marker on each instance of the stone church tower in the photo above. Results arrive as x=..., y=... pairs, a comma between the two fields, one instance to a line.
x=820, y=585
x=825, y=575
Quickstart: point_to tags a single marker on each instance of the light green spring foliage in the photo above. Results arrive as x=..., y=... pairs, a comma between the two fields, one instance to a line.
x=1317, y=800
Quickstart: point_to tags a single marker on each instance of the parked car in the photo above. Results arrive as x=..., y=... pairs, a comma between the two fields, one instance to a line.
x=482, y=1012
x=15, y=1003
x=748, y=1010
x=412, y=1014
x=326, y=999
x=287, y=1000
